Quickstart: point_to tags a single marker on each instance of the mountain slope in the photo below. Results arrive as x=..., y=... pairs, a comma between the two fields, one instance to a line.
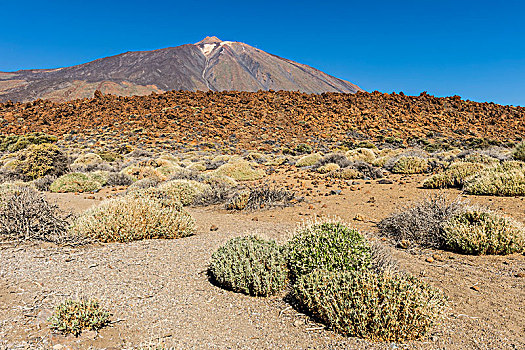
x=210, y=64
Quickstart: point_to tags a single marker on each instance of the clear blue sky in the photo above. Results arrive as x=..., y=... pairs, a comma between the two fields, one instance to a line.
x=475, y=49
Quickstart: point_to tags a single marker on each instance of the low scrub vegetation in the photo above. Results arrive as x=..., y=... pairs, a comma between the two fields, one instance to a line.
x=130, y=218
x=519, y=152
x=308, y=160
x=262, y=197
x=26, y=215
x=186, y=190
x=455, y=226
x=249, y=265
x=454, y=176
x=76, y=182
x=72, y=317
x=479, y=231
x=329, y=246
x=361, y=154
x=376, y=306
x=410, y=165
x=240, y=171
x=505, y=179
x=37, y=161
x=14, y=143
x=338, y=277
x=421, y=222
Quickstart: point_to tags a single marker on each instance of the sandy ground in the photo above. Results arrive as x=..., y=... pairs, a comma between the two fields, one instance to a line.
x=159, y=293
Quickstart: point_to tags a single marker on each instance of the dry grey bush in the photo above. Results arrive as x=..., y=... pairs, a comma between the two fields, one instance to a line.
x=423, y=221
x=25, y=215
x=335, y=158
x=119, y=179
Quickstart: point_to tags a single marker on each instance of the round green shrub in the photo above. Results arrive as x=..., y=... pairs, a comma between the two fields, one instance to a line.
x=505, y=179
x=454, y=175
x=410, y=165
x=75, y=182
x=479, y=232
x=75, y=316
x=240, y=171
x=308, y=160
x=361, y=154
x=37, y=161
x=88, y=159
x=519, y=152
x=128, y=218
x=249, y=265
x=185, y=190
x=328, y=246
x=376, y=306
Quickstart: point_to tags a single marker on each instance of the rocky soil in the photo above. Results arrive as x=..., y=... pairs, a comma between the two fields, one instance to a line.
x=261, y=120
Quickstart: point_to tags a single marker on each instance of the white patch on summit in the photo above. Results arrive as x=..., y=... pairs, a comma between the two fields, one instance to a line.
x=207, y=48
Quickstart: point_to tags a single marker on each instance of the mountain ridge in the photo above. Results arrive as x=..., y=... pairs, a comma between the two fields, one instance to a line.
x=210, y=64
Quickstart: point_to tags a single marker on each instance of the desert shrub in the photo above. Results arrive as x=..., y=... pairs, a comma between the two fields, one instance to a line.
x=118, y=179
x=100, y=176
x=447, y=156
x=139, y=153
x=164, y=198
x=138, y=172
x=38, y=161
x=278, y=160
x=502, y=179
x=214, y=164
x=72, y=317
x=410, y=165
x=108, y=156
x=345, y=174
x=376, y=306
x=327, y=168
x=381, y=161
x=25, y=214
x=88, y=158
x=186, y=174
x=43, y=183
x=127, y=218
x=333, y=158
x=220, y=190
x=14, y=143
x=361, y=154
x=454, y=175
x=368, y=171
x=144, y=183
x=519, y=151
x=240, y=171
x=75, y=182
x=422, y=222
x=479, y=231
x=256, y=157
x=212, y=179
x=302, y=148
x=329, y=245
x=261, y=197
x=477, y=157
x=249, y=265
x=308, y=160
x=382, y=260
x=185, y=190
x=238, y=201
x=197, y=166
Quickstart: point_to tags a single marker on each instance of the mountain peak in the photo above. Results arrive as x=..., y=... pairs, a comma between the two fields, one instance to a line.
x=223, y=66
x=209, y=40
